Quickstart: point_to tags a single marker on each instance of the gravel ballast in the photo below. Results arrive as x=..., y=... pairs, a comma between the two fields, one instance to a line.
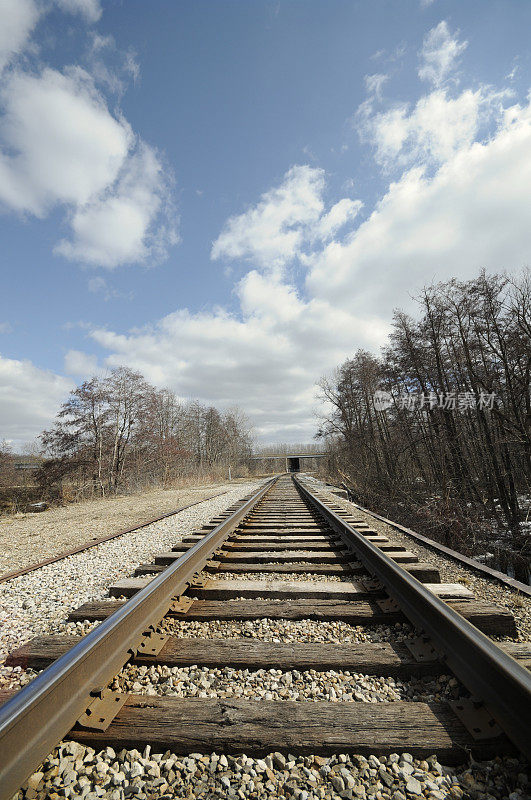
x=282, y=576
x=276, y=684
x=37, y=603
x=286, y=631
x=73, y=770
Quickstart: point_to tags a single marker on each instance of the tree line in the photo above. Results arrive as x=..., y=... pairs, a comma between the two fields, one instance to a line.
x=436, y=430
x=120, y=431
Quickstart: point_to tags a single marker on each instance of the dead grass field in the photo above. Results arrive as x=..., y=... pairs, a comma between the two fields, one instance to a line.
x=28, y=538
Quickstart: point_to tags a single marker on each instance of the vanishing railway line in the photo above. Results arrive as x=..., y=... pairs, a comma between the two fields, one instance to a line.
x=284, y=528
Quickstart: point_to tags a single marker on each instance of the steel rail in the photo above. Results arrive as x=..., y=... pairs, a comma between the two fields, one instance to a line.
x=40, y=714
x=489, y=673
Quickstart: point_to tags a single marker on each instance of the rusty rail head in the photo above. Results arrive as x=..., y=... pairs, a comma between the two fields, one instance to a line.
x=488, y=672
x=40, y=714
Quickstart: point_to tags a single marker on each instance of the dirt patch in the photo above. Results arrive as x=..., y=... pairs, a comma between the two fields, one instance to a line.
x=28, y=538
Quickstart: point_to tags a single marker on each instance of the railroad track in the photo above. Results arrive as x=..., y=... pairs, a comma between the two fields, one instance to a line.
x=345, y=573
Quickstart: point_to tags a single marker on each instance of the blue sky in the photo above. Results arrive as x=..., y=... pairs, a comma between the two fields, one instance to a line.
x=232, y=197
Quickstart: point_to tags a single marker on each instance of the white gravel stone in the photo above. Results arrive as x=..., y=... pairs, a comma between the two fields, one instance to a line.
x=283, y=630
x=275, y=684
x=37, y=603
x=283, y=576
x=72, y=770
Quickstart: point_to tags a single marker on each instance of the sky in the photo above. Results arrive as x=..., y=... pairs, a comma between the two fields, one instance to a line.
x=232, y=197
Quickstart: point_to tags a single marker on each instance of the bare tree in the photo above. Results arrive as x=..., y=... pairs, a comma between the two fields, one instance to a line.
x=120, y=431
x=464, y=459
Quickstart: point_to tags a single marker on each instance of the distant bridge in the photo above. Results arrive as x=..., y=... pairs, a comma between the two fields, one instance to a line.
x=292, y=459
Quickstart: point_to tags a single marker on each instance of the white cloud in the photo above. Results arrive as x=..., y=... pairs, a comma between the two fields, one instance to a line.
x=375, y=83
x=266, y=360
x=271, y=233
x=64, y=147
x=115, y=229
x=90, y=9
x=344, y=211
x=29, y=399
x=80, y=364
x=62, y=144
x=439, y=54
x=275, y=231
x=471, y=213
x=436, y=127
x=17, y=20
x=6, y=327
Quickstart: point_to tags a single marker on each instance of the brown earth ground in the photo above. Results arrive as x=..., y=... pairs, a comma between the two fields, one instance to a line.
x=28, y=538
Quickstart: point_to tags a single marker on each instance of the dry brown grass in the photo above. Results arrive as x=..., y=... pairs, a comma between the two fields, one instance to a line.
x=27, y=538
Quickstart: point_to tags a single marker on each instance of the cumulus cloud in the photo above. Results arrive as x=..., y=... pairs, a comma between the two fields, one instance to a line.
x=90, y=9
x=436, y=127
x=266, y=359
x=275, y=231
x=29, y=399
x=80, y=364
x=115, y=229
x=470, y=213
x=344, y=211
x=17, y=21
x=440, y=53
x=272, y=231
x=62, y=146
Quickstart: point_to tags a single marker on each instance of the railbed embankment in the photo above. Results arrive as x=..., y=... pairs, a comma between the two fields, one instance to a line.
x=483, y=588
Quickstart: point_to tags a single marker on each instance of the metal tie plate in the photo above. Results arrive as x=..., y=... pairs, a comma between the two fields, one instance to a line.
x=180, y=605
x=388, y=605
x=151, y=644
x=102, y=710
x=372, y=584
x=199, y=583
x=422, y=649
x=476, y=718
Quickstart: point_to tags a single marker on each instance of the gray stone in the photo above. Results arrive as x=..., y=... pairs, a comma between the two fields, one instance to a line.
x=338, y=783
x=385, y=777
x=413, y=786
x=279, y=761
